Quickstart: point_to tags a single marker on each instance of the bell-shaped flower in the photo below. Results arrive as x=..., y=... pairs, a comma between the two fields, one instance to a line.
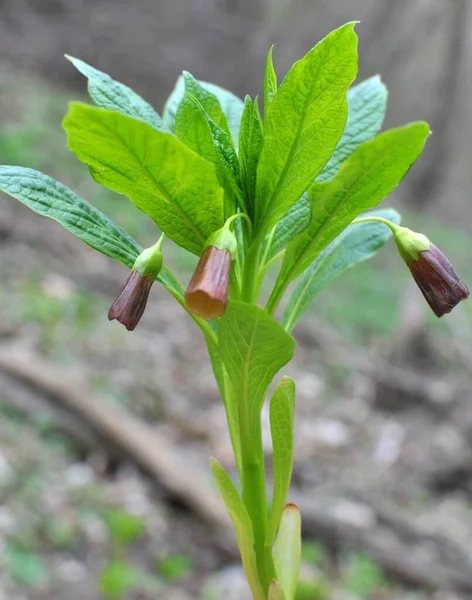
x=131, y=302
x=207, y=292
x=442, y=288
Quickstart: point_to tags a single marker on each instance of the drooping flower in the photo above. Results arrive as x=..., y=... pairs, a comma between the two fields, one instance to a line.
x=130, y=304
x=442, y=288
x=207, y=292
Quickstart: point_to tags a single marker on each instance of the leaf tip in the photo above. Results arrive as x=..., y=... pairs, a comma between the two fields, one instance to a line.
x=350, y=27
x=78, y=64
x=424, y=127
x=214, y=464
x=188, y=77
x=377, y=78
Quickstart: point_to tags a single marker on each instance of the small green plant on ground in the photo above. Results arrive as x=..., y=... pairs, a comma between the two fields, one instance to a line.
x=360, y=575
x=175, y=566
x=26, y=568
x=299, y=188
x=119, y=577
x=363, y=577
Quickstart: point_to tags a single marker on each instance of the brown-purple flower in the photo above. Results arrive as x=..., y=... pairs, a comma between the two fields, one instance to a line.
x=442, y=288
x=129, y=306
x=437, y=280
x=207, y=292
x=131, y=302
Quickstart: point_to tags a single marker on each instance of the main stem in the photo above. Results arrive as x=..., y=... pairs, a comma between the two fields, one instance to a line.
x=276, y=297
x=249, y=288
x=252, y=452
x=254, y=493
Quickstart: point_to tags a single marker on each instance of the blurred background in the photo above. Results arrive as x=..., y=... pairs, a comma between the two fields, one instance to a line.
x=105, y=435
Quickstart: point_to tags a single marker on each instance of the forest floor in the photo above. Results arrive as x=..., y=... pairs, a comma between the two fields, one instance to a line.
x=383, y=429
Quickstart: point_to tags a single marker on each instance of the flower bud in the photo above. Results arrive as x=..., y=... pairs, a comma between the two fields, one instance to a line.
x=129, y=306
x=437, y=280
x=207, y=292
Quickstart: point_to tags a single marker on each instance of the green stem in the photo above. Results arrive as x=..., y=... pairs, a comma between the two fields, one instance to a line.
x=279, y=290
x=249, y=290
x=254, y=492
x=268, y=246
x=244, y=216
x=392, y=226
x=252, y=452
x=276, y=297
x=263, y=270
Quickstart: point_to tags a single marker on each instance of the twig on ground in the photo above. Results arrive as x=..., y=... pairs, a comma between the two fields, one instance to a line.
x=147, y=447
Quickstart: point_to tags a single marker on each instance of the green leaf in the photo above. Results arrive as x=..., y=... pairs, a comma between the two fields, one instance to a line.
x=227, y=395
x=314, y=553
x=367, y=103
x=176, y=567
x=110, y=94
x=288, y=550
x=196, y=133
x=251, y=138
x=116, y=580
x=50, y=198
x=242, y=525
x=270, y=80
x=355, y=244
x=240, y=229
x=202, y=125
x=363, y=576
x=225, y=160
x=124, y=527
x=276, y=591
x=304, y=123
x=25, y=568
x=253, y=348
x=282, y=406
x=186, y=128
x=294, y=221
x=172, y=284
x=371, y=173
x=165, y=179
x=231, y=105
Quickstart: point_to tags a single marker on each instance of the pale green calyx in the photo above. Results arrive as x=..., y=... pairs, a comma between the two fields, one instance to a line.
x=149, y=262
x=410, y=243
x=223, y=239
